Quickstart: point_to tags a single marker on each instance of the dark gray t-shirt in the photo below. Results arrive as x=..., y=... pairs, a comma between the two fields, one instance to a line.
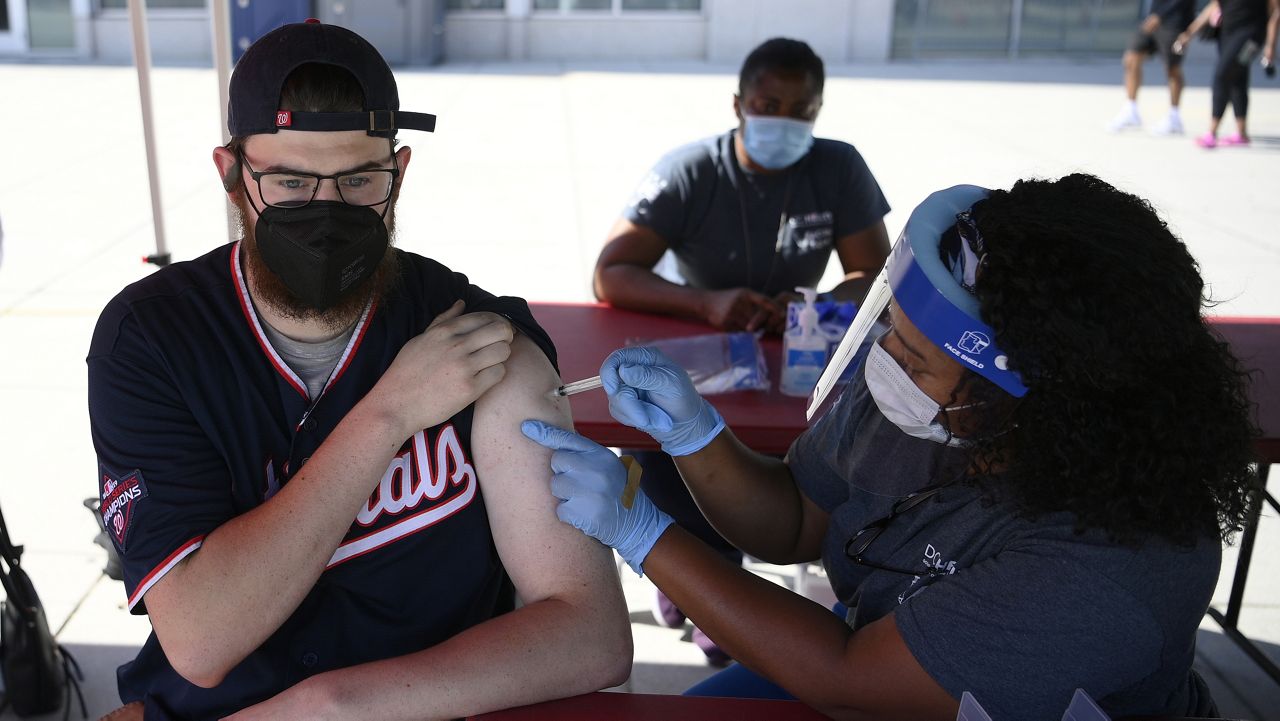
x=1027, y=611
x=699, y=201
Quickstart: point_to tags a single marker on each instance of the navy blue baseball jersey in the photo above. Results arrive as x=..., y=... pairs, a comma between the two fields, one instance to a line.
x=196, y=419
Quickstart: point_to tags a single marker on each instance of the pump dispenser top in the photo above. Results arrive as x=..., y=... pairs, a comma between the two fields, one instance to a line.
x=808, y=320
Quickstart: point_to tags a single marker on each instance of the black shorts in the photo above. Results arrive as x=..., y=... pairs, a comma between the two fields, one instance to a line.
x=1160, y=41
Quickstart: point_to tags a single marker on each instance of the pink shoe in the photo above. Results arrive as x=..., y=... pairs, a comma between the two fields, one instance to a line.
x=1235, y=139
x=715, y=655
x=1208, y=140
x=665, y=612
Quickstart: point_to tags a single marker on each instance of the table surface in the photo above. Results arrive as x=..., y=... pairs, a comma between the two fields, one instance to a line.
x=646, y=707
x=585, y=333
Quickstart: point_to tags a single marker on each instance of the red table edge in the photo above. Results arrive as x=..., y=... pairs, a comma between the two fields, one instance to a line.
x=626, y=706
x=1268, y=448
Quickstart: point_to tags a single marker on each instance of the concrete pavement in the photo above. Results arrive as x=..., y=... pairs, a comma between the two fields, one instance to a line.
x=527, y=170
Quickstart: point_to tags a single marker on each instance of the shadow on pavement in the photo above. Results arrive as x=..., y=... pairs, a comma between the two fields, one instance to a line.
x=99, y=664
x=1240, y=687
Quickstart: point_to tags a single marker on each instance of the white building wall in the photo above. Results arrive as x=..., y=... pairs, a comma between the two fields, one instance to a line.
x=724, y=32
x=14, y=42
x=737, y=26
x=476, y=36
x=870, y=31
x=568, y=37
x=175, y=36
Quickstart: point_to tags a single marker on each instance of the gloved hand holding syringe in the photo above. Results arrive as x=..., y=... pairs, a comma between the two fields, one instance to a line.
x=648, y=392
x=629, y=462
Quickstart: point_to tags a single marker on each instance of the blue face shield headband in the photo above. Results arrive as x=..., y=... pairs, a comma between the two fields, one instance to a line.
x=931, y=296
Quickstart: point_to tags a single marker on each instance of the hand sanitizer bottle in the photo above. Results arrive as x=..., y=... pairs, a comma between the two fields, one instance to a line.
x=804, y=347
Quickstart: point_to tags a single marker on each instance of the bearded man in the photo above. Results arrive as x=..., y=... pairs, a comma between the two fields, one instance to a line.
x=309, y=445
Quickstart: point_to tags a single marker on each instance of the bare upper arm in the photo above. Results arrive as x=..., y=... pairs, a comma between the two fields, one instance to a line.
x=628, y=244
x=865, y=250
x=545, y=558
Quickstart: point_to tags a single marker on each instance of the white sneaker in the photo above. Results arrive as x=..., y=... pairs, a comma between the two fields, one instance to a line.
x=1126, y=120
x=1171, y=125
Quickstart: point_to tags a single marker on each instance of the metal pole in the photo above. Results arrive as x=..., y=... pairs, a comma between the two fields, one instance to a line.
x=142, y=59
x=220, y=16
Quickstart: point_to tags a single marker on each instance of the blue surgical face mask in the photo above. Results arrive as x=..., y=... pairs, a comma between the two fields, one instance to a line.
x=775, y=143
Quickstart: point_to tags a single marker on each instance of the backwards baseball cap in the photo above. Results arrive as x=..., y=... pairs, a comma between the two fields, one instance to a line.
x=254, y=105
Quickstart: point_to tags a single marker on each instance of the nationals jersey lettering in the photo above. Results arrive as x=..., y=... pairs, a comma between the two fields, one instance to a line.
x=409, y=479
x=409, y=483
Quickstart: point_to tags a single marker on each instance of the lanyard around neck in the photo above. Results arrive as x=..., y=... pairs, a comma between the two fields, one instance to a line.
x=746, y=228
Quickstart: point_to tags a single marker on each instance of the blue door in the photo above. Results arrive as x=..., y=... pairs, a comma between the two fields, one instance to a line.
x=251, y=19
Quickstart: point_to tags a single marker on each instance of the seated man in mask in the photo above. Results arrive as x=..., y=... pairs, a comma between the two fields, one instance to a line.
x=309, y=446
x=748, y=215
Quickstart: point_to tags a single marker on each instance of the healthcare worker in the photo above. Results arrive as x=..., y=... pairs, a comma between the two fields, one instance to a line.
x=1022, y=491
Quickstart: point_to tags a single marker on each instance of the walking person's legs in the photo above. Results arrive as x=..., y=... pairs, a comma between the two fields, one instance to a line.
x=1240, y=104
x=1165, y=38
x=1231, y=85
x=1177, y=81
x=1222, y=81
x=1172, y=123
x=1132, y=62
x=1142, y=46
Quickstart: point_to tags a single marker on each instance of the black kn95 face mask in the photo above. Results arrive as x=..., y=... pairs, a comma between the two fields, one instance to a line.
x=322, y=250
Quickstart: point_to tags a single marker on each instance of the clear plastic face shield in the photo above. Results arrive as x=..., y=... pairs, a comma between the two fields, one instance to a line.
x=928, y=292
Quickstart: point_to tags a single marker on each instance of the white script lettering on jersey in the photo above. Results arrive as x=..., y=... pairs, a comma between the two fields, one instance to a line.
x=411, y=479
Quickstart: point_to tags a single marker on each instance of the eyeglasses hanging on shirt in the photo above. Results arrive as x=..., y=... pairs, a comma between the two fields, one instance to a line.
x=856, y=547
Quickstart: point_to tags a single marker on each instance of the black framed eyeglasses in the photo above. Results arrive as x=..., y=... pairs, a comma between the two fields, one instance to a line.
x=295, y=190
x=856, y=547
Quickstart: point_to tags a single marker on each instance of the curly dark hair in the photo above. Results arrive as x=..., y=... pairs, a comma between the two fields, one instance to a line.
x=1136, y=418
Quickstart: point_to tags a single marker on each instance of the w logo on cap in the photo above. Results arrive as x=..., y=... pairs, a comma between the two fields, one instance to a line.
x=284, y=118
x=973, y=342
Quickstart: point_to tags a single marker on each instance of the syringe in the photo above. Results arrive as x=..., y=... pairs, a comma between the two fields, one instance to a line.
x=586, y=384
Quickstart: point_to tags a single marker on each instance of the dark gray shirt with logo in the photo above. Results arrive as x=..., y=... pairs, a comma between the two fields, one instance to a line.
x=722, y=222
x=1022, y=612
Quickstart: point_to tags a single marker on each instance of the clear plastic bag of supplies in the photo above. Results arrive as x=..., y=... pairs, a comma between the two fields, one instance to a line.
x=717, y=362
x=834, y=318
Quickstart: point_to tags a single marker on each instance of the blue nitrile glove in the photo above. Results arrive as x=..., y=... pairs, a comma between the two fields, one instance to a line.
x=649, y=392
x=589, y=481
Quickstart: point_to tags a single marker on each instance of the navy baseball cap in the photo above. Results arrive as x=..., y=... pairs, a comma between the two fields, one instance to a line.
x=254, y=105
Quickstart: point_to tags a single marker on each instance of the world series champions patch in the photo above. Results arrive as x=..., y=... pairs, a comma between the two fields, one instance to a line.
x=119, y=496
